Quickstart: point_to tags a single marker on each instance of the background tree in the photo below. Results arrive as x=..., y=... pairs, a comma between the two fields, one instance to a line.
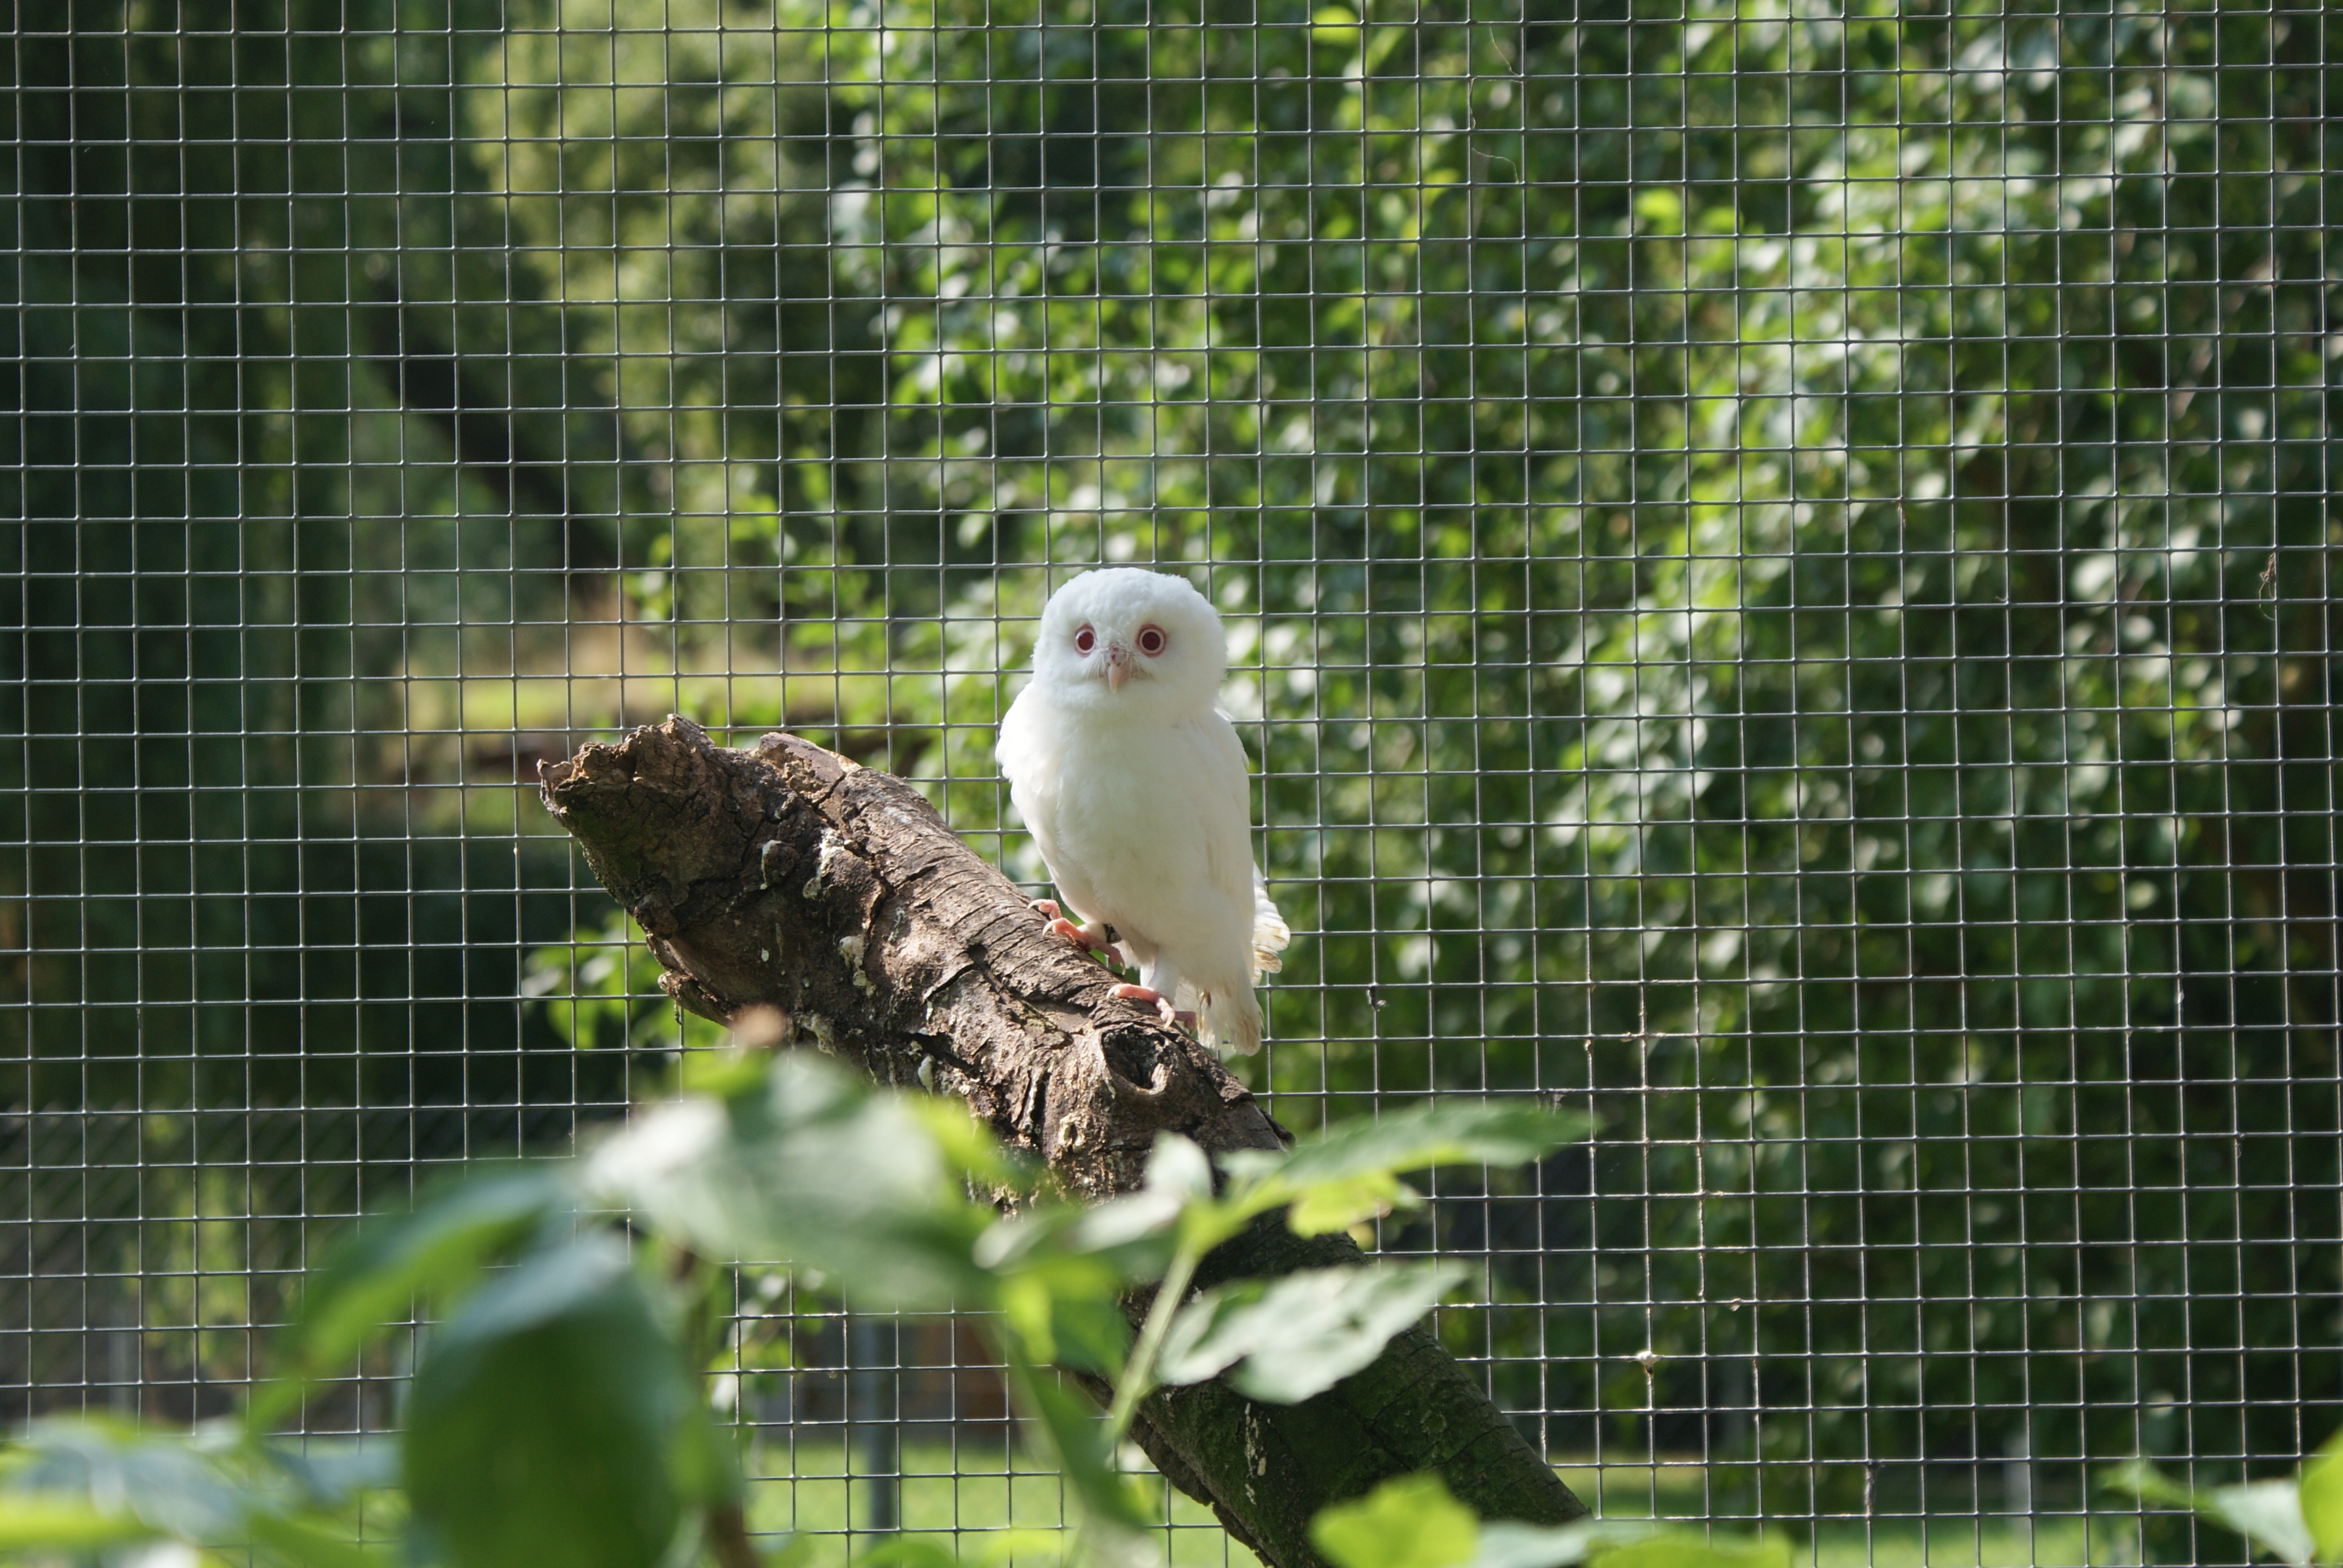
x=1784, y=566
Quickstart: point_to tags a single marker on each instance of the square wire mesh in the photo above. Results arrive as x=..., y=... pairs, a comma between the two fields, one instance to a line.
x=1780, y=563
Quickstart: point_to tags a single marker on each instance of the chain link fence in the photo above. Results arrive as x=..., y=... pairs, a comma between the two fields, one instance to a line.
x=1781, y=565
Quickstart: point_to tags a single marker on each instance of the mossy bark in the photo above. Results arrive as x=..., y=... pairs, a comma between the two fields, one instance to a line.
x=787, y=878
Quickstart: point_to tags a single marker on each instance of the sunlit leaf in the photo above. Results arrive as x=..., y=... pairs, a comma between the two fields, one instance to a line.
x=63, y=1521
x=807, y=1167
x=1412, y=1522
x=160, y=1483
x=2322, y=1500
x=1682, y=1549
x=1348, y=1173
x=2267, y=1513
x=1330, y=1206
x=1301, y=1334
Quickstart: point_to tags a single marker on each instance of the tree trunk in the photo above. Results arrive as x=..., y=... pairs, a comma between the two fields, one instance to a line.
x=787, y=877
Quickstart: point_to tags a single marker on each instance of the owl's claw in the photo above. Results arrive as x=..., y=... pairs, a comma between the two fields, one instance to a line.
x=1163, y=1008
x=1092, y=938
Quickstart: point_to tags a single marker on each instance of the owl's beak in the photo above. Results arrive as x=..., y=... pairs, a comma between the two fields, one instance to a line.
x=1118, y=665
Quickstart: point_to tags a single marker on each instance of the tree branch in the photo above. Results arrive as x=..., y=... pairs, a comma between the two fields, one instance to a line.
x=786, y=877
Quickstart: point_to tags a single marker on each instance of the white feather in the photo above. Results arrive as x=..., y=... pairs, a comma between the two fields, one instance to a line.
x=1134, y=790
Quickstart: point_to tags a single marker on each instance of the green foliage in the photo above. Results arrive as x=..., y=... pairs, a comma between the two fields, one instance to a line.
x=1409, y=1523
x=1285, y=1340
x=2299, y=1522
x=1413, y=1521
x=553, y=1420
x=87, y=1485
x=1769, y=508
x=552, y=1413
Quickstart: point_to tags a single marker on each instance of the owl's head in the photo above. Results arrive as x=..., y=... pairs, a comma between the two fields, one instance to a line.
x=1128, y=639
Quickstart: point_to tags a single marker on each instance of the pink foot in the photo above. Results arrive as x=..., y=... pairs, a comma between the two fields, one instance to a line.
x=1163, y=1008
x=1092, y=938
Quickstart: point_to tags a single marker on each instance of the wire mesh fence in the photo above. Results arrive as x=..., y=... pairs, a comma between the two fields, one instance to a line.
x=1781, y=572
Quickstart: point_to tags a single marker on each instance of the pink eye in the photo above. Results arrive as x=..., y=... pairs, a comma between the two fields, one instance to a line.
x=1085, y=640
x=1151, y=641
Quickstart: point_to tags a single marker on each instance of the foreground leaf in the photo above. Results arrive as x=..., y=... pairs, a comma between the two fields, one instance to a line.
x=1350, y=1172
x=64, y=1521
x=1299, y=1335
x=2267, y=1513
x=807, y=1167
x=2322, y=1500
x=1412, y=1522
x=1075, y=1435
x=438, y=1247
x=543, y=1420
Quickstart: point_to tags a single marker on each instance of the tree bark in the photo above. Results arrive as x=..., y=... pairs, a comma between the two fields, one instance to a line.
x=789, y=877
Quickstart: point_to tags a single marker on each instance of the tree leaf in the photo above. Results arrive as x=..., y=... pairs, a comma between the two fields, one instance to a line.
x=305, y=1543
x=159, y=1482
x=543, y=1420
x=1348, y=1167
x=1410, y=1521
x=1075, y=1434
x=1330, y=1206
x=63, y=1521
x=2322, y=1500
x=805, y=1168
x=1470, y=1132
x=1302, y=1333
x=1177, y=1166
x=1682, y=1549
x=1505, y=1544
x=435, y=1248
x=2267, y=1512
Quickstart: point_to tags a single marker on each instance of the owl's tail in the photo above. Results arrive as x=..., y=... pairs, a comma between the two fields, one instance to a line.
x=1270, y=936
x=1230, y=1024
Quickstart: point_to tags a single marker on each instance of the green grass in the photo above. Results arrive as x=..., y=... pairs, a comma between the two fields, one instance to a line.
x=967, y=1501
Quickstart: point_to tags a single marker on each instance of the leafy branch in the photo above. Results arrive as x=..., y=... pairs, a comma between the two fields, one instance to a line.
x=554, y=1416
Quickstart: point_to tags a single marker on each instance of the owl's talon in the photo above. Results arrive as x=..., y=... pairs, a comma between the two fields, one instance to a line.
x=1163, y=1008
x=1092, y=938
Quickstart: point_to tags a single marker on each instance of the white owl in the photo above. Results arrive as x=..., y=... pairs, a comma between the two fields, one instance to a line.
x=1133, y=784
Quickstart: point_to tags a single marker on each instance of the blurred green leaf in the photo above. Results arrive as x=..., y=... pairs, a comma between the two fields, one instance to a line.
x=160, y=1483
x=807, y=1167
x=63, y=1521
x=1331, y=1206
x=1683, y=1549
x=2322, y=1500
x=1505, y=1544
x=82, y=1483
x=435, y=1248
x=1092, y=1335
x=1350, y=1172
x=546, y=1419
x=1295, y=1336
x=306, y=1546
x=1075, y=1433
x=1412, y=1522
x=2267, y=1513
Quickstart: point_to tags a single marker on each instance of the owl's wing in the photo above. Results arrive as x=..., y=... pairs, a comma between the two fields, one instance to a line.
x=1241, y=877
x=1032, y=761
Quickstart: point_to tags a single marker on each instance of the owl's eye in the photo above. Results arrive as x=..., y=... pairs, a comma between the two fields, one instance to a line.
x=1085, y=639
x=1151, y=641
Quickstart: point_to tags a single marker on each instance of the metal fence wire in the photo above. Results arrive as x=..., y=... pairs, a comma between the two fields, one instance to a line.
x=1781, y=563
